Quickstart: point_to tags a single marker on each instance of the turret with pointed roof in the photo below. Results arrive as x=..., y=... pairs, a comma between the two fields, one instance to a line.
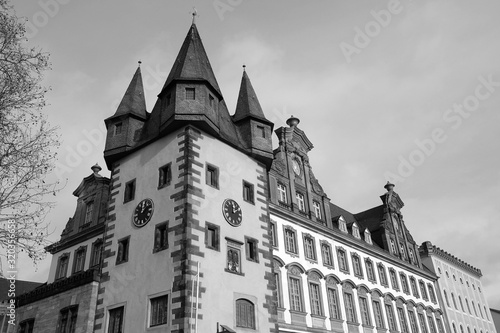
x=129, y=117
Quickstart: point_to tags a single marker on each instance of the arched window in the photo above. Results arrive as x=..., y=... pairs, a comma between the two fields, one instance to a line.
x=461, y=304
x=295, y=289
x=474, y=307
x=454, y=302
x=349, y=303
x=315, y=294
x=277, y=281
x=245, y=313
x=333, y=298
x=454, y=328
x=446, y=298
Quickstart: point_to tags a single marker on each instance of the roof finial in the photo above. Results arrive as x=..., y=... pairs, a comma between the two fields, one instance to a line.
x=244, y=67
x=194, y=13
x=139, y=62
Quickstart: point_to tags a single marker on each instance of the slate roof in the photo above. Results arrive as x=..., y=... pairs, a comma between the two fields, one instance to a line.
x=192, y=62
x=248, y=105
x=22, y=287
x=336, y=211
x=371, y=218
x=134, y=101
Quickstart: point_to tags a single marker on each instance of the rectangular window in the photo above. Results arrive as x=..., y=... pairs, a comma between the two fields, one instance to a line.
x=248, y=192
x=159, y=311
x=274, y=235
x=277, y=281
x=394, y=279
x=129, y=191
x=300, y=201
x=402, y=320
x=96, y=255
x=165, y=175
x=116, y=320
x=430, y=321
x=315, y=297
x=350, y=309
x=377, y=311
x=79, y=261
x=381, y=275
x=161, y=237
x=433, y=296
x=421, y=320
x=440, y=325
x=369, y=270
x=62, y=266
x=326, y=253
x=341, y=256
x=261, y=131
x=190, y=93
x=317, y=210
x=26, y=326
x=211, y=101
x=290, y=241
x=89, y=209
x=309, y=248
x=404, y=283
x=245, y=314
x=356, y=266
x=251, y=249
x=212, y=176
x=333, y=303
x=118, y=128
x=212, y=236
x=122, y=255
x=414, y=288
x=282, y=193
x=424, y=292
x=233, y=260
x=413, y=321
x=295, y=294
x=390, y=317
x=67, y=320
x=365, y=311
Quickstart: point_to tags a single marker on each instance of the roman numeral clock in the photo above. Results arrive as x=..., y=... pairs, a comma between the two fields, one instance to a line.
x=232, y=212
x=143, y=213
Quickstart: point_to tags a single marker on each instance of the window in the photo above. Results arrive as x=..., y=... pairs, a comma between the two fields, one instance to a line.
x=290, y=241
x=315, y=297
x=300, y=201
x=309, y=248
x=169, y=99
x=468, y=306
x=402, y=320
x=123, y=246
x=248, y=192
x=473, y=306
x=26, y=326
x=350, y=308
x=368, y=237
x=274, y=235
x=295, y=293
x=190, y=93
x=480, y=312
x=129, y=191
x=277, y=281
x=159, y=311
x=342, y=258
x=431, y=293
x=317, y=210
x=369, y=270
x=381, y=275
x=211, y=101
x=394, y=279
x=262, y=131
x=96, y=256
x=446, y=298
x=165, y=175
x=116, y=320
x=212, y=176
x=461, y=304
x=377, y=311
x=412, y=257
x=326, y=253
x=356, y=265
x=79, y=261
x=486, y=313
x=212, y=236
x=333, y=303
x=365, y=311
x=440, y=325
x=67, y=320
x=89, y=209
x=118, y=128
x=233, y=260
x=413, y=321
x=422, y=289
x=389, y=310
x=402, y=251
x=245, y=313
x=161, y=237
x=355, y=231
x=251, y=249
x=282, y=193
x=454, y=302
x=421, y=320
x=393, y=247
x=430, y=322
x=404, y=283
x=62, y=266
x=414, y=288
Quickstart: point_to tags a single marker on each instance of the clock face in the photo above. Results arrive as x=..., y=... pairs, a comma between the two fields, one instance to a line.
x=232, y=212
x=143, y=213
x=296, y=167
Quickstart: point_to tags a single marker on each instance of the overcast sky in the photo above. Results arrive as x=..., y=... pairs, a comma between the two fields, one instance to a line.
x=404, y=91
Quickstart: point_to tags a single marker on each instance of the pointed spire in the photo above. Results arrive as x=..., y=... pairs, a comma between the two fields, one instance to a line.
x=133, y=101
x=248, y=105
x=192, y=62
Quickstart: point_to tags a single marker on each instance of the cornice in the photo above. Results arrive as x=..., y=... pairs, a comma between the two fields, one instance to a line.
x=76, y=239
x=428, y=249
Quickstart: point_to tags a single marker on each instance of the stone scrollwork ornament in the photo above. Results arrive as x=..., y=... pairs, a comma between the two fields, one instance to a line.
x=315, y=184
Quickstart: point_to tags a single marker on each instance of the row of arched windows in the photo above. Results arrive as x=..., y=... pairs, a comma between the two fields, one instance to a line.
x=472, y=305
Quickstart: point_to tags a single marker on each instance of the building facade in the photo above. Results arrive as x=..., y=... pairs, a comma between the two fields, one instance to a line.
x=203, y=227
x=461, y=291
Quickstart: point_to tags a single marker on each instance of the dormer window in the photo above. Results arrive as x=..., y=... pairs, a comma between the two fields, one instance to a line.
x=118, y=128
x=342, y=224
x=262, y=131
x=355, y=231
x=190, y=93
x=368, y=237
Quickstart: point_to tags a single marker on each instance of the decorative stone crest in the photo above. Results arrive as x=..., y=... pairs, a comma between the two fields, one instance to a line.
x=315, y=184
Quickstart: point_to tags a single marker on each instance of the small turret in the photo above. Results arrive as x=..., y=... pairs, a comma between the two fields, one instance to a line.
x=123, y=127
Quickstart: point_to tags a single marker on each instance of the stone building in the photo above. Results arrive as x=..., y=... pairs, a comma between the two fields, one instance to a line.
x=460, y=289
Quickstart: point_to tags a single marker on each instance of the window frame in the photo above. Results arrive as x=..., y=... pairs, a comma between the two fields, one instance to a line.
x=301, y=203
x=394, y=278
x=404, y=283
x=333, y=302
x=96, y=253
x=293, y=232
x=364, y=310
x=118, y=129
x=89, y=211
x=378, y=314
x=382, y=275
x=26, y=326
x=350, y=307
x=370, y=271
x=391, y=316
x=190, y=93
x=250, y=317
x=299, y=296
x=69, y=315
x=274, y=234
x=151, y=310
x=282, y=193
x=248, y=192
x=111, y=314
x=316, y=303
x=165, y=175
x=357, y=269
x=124, y=258
x=129, y=192
x=216, y=232
x=326, y=254
x=213, y=179
x=59, y=270
x=342, y=259
x=75, y=269
x=251, y=247
x=163, y=242
x=309, y=247
x=317, y=210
